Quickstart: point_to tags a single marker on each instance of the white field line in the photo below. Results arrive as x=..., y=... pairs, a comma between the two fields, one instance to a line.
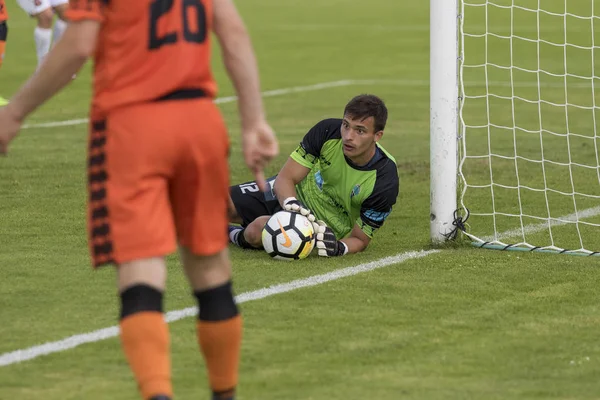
x=107, y=333
x=230, y=99
x=342, y=27
x=327, y=85
x=471, y=29
x=534, y=228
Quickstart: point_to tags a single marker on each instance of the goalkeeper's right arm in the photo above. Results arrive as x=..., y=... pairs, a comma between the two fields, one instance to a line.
x=294, y=205
x=290, y=175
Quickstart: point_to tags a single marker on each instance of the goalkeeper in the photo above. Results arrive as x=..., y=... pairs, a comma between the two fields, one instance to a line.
x=339, y=177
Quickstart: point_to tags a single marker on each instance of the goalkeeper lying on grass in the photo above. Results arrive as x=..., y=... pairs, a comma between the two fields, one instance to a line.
x=339, y=177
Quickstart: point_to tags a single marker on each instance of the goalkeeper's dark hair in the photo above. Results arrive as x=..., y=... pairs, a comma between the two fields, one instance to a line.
x=368, y=105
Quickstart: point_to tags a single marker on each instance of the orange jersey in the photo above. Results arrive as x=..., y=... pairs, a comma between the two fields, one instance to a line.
x=148, y=49
x=3, y=11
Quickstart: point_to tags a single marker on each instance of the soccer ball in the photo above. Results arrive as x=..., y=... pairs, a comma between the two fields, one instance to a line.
x=288, y=236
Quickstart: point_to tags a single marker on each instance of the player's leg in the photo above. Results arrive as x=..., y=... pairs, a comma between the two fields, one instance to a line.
x=41, y=10
x=249, y=237
x=3, y=37
x=251, y=208
x=144, y=332
x=60, y=8
x=219, y=323
x=130, y=225
x=42, y=34
x=199, y=194
x=234, y=217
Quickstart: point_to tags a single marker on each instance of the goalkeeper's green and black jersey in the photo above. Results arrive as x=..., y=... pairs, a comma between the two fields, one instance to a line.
x=338, y=191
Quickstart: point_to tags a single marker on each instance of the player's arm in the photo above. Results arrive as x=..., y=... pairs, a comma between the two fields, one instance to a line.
x=61, y=63
x=290, y=175
x=299, y=165
x=258, y=140
x=239, y=59
x=329, y=246
x=370, y=220
x=374, y=211
x=357, y=241
x=303, y=159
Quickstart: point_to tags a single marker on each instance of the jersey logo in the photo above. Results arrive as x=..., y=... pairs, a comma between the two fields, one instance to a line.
x=288, y=241
x=319, y=180
x=355, y=191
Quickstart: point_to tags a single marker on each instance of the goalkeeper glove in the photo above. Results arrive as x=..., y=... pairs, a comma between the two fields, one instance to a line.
x=327, y=243
x=293, y=204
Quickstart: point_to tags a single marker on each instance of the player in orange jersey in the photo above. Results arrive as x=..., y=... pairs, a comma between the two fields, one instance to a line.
x=3, y=37
x=157, y=165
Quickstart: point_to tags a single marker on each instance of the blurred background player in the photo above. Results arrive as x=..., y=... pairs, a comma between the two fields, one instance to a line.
x=43, y=11
x=339, y=175
x=3, y=37
x=158, y=169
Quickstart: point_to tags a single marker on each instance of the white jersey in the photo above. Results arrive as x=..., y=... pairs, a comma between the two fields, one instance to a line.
x=34, y=7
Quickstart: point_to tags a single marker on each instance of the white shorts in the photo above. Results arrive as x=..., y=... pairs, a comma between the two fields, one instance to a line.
x=34, y=7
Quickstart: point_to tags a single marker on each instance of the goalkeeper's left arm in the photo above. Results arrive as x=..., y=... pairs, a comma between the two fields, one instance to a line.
x=360, y=236
x=329, y=246
x=357, y=241
x=373, y=213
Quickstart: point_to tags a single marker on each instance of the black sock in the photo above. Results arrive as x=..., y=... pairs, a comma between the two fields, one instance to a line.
x=229, y=395
x=241, y=241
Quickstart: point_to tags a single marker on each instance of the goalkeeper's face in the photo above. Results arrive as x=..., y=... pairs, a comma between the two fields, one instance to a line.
x=359, y=138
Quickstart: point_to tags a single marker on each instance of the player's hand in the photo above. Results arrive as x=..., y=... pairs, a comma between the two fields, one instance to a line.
x=327, y=243
x=294, y=205
x=260, y=146
x=9, y=128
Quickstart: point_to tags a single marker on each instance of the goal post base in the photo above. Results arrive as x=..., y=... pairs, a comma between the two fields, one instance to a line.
x=523, y=247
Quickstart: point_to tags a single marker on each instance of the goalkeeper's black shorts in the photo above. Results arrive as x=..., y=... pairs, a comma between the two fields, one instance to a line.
x=250, y=203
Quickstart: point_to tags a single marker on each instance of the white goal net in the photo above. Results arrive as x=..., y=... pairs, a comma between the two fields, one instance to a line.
x=529, y=118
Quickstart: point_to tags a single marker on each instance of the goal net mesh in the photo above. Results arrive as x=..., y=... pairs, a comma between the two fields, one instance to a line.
x=529, y=164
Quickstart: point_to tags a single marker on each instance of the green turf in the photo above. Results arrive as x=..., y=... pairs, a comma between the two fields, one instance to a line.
x=461, y=324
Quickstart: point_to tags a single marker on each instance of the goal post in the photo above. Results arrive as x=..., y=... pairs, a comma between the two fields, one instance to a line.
x=515, y=124
x=443, y=76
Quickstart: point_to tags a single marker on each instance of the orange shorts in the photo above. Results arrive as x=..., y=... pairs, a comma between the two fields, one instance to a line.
x=158, y=176
x=2, y=50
